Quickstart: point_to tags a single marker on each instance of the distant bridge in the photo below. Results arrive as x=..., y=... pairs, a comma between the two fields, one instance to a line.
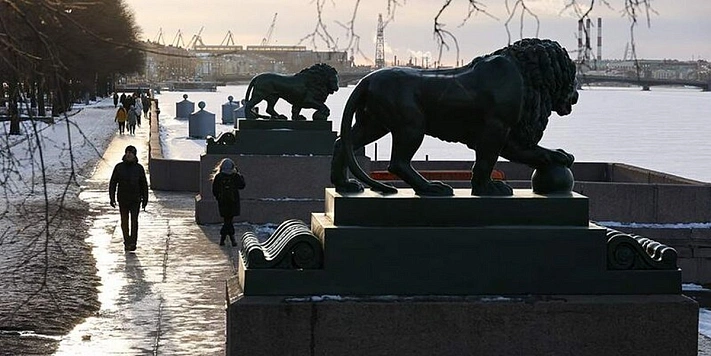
x=353, y=77
x=645, y=83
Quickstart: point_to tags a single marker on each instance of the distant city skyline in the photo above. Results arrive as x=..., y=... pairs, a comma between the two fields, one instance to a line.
x=676, y=31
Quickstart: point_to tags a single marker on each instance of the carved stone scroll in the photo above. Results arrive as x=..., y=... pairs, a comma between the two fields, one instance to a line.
x=291, y=246
x=634, y=252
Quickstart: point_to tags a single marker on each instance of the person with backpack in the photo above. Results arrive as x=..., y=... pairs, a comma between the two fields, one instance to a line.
x=226, y=184
x=138, y=107
x=131, y=119
x=121, y=117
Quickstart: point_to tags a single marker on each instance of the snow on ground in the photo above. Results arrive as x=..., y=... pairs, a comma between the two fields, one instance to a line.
x=76, y=141
x=49, y=276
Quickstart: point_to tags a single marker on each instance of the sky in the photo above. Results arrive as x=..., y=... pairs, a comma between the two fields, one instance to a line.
x=678, y=29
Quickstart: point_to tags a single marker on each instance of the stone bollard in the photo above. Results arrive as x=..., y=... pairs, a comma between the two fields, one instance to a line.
x=201, y=123
x=228, y=109
x=184, y=108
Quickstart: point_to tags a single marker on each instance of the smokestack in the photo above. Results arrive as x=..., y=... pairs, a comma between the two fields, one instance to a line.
x=588, y=46
x=580, y=39
x=599, y=38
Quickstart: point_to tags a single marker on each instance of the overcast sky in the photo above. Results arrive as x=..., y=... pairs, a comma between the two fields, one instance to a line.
x=680, y=29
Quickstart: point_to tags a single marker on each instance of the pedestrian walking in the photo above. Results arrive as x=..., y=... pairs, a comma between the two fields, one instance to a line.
x=130, y=177
x=146, y=104
x=138, y=107
x=122, y=100
x=116, y=98
x=121, y=117
x=226, y=184
x=131, y=120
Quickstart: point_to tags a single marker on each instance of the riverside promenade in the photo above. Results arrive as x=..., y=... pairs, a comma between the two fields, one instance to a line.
x=167, y=298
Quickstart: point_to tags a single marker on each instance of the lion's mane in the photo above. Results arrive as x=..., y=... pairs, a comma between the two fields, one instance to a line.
x=548, y=77
x=317, y=78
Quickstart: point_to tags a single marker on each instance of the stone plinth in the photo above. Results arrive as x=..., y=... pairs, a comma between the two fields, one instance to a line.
x=184, y=108
x=228, y=109
x=201, y=123
x=406, y=209
x=447, y=252
x=468, y=325
x=277, y=137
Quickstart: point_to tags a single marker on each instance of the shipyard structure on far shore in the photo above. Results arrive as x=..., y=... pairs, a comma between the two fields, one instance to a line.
x=233, y=63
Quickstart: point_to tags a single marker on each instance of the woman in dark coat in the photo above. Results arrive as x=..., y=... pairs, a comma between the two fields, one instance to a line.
x=226, y=183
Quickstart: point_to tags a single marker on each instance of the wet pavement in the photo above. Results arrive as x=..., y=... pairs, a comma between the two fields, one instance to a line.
x=168, y=297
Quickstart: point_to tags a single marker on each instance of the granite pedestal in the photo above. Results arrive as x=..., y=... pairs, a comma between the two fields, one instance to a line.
x=403, y=274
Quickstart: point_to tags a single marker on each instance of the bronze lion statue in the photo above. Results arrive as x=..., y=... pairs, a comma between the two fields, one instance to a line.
x=307, y=89
x=497, y=105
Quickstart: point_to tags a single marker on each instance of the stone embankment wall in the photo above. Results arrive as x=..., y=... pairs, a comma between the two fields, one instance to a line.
x=169, y=174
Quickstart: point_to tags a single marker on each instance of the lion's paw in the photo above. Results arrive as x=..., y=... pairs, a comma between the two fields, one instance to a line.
x=435, y=188
x=493, y=188
x=566, y=159
x=349, y=186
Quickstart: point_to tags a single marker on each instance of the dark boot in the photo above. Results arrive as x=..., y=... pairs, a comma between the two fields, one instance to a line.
x=231, y=232
x=224, y=231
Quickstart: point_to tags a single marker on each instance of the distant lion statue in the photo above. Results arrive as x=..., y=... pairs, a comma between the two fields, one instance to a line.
x=497, y=105
x=307, y=89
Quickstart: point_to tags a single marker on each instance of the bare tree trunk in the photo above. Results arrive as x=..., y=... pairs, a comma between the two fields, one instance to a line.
x=13, y=109
x=41, y=110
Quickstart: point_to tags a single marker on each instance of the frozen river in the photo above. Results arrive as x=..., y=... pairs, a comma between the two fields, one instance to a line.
x=665, y=129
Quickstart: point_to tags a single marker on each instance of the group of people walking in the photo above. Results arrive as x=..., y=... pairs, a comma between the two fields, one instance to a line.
x=129, y=186
x=130, y=110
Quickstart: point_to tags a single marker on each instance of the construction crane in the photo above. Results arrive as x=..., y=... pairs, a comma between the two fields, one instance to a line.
x=268, y=38
x=159, y=38
x=178, y=39
x=196, y=39
x=228, y=40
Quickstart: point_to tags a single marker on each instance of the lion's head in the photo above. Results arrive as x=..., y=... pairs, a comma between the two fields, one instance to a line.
x=549, y=79
x=321, y=79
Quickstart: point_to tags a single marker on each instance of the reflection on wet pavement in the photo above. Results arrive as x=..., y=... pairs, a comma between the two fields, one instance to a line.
x=167, y=298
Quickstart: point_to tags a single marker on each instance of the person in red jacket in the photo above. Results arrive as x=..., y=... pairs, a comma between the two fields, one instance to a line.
x=130, y=177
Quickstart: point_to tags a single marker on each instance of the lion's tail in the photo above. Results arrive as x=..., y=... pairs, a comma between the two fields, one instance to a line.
x=356, y=99
x=248, y=113
x=248, y=94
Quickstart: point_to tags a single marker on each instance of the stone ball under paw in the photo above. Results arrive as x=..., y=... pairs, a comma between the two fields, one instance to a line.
x=552, y=180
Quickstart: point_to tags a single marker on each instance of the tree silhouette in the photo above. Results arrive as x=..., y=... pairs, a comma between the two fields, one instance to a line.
x=322, y=36
x=52, y=52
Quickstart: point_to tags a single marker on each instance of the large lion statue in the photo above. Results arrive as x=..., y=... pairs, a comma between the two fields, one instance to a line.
x=307, y=89
x=497, y=105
